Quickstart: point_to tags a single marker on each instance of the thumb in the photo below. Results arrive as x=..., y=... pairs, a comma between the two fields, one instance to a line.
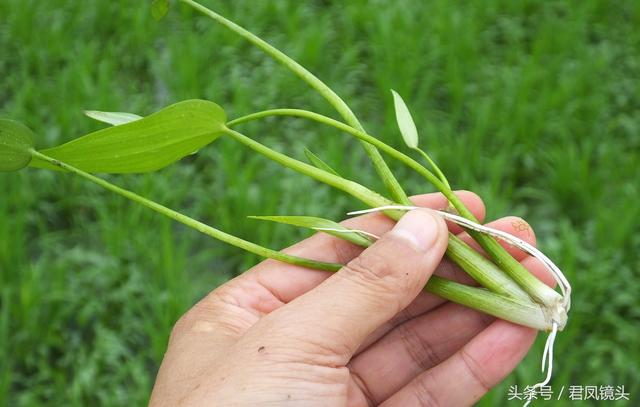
x=372, y=288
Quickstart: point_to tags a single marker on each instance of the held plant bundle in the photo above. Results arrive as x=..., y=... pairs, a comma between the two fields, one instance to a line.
x=135, y=144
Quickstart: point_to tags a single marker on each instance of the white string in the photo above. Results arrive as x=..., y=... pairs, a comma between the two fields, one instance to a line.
x=565, y=287
x=371, y=235
x=548, y=352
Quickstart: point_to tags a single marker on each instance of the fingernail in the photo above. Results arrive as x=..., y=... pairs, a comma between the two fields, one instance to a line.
x=420, y=227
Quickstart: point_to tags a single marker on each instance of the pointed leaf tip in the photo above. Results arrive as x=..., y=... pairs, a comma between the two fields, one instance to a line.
x=112, y=118
x=318, y=163
x=159, y=8
x=143, y=145
x=321, y=225
x=16, y=140
x=406, y=124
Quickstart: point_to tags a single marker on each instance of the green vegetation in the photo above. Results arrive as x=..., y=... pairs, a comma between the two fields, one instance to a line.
x=532, y=105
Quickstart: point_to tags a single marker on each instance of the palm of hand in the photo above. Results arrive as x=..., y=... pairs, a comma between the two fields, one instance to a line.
x=273, y=336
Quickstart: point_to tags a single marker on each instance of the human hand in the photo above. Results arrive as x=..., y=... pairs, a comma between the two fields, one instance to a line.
x=367, y=335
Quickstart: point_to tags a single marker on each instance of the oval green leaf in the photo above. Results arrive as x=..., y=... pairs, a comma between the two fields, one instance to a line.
x=405, y=122
x=16, y=140
x=322, y=225
x=144, y=145
x=112, y=118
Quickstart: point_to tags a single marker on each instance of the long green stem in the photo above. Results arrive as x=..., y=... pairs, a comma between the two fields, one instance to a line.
x=481, y=269
x=493, y=304
x=433, y=165
x=519, y=309
x=538, y=290
x=529, y=283
x=477, y=266
x=519, y=312
x=491, y=277
x=197, y=225
x=381, y=167
x=358, y=191
x=405, y=159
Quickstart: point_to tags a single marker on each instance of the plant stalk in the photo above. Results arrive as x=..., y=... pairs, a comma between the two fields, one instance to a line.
x=538, y=290
x=493, y=304
x=528, y=282
x=482, y=270
x=192, y=223
x=358, y=191
x=520, y=312
x=534, y=287
x=459, y=252
x=390, y=182
x=405, y=159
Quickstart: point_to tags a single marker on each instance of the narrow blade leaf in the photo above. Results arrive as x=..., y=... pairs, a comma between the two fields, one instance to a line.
x=318, y=163
x=322, y=225
x=16, y=140
x=112, y=118
x=405, y=122
x=144, y=145
x=159, y=8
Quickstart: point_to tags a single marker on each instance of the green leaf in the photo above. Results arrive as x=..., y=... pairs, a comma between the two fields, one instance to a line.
x=410, y=133
x=113, y=118
x=144, y=145
x=405, y=122
x=159, y=8
x=318, y=163
x=16, y=141
x=322, y=225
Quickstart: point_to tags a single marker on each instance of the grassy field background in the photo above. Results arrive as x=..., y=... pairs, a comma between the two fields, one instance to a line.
x=534, y=105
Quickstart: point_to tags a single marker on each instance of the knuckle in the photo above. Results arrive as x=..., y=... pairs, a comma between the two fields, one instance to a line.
x=179, y=327
x=387, y=269
x=288, y=337
x=325, y=353
x=194, y=319
x=475, y=372
x=362, y=385
x=344, y=252
x=402, y=316
x=419, y=349
x=372, y=266
x=423, y=390
x=212, y=313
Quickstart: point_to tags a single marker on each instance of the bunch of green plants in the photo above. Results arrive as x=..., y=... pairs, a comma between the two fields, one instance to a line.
x=135, y=144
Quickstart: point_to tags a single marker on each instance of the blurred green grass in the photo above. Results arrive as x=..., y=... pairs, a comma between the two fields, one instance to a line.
x=534, y=105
